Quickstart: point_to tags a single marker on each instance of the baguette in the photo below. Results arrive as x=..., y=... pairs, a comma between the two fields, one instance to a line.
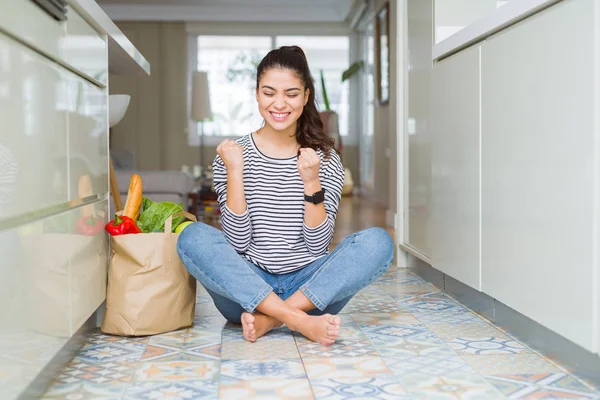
x=134, y=198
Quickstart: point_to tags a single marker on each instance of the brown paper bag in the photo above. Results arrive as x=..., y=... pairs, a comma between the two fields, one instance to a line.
x=149, y=289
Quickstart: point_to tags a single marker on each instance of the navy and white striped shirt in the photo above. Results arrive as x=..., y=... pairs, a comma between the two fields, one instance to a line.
x=271, y=233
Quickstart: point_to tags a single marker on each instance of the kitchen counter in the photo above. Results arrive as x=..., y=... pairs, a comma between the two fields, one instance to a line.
x=501, y=18
x=123, y=57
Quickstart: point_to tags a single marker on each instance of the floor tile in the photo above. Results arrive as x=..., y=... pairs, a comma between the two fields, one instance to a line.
x=98, y=338
x=434, y=364
x=260, y=350
x=211, y=351
x=542, y=386
x=341, y=348
x=396, y=331
x=174, y=391
x=449, y=386
x=448, y=332
x=359, y=388
x=346, y=367
x=364, y=304
x=85, y=391
x=266, y=389
x=177, y=371
x=410, y=288
x=262, y=369
x=111, y=352
x=423, y=344
x=394, y=318
x=110, y=373
x=499, y=344
x=510, y=364
x=187, y=338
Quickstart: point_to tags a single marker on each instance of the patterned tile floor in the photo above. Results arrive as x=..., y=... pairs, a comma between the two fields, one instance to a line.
x=401, y=339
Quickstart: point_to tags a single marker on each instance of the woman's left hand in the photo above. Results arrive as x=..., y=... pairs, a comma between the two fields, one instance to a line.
x=308, y=165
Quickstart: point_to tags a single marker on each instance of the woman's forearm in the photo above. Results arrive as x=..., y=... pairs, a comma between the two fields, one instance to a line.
x=236, y=198
x=314, y=214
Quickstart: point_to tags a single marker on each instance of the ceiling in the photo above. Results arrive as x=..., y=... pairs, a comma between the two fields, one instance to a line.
x=229, y=10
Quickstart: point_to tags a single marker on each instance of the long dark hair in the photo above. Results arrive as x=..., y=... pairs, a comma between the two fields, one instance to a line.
x=309, y=128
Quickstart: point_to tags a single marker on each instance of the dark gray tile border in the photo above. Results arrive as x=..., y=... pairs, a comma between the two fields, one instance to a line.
x=40, y=384
x=569, y=355
x=425, y=271
x=576, y=359
x=477, y=301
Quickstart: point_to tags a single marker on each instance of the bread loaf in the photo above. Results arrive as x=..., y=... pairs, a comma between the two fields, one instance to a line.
x=134, y=198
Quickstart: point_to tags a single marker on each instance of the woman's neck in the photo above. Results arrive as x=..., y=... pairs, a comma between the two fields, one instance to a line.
x=276, y=144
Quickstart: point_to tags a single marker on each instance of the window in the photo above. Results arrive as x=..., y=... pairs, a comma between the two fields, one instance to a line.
x=231, y=63
x=329, y=54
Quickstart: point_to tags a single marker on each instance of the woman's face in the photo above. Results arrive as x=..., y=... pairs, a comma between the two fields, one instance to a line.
x=281, y=97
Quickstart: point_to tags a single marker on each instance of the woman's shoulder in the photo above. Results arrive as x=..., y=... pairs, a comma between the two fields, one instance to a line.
x=332, y=162
x=244, y=140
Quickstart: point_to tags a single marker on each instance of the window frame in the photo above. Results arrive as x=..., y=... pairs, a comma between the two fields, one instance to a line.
x=273, y=30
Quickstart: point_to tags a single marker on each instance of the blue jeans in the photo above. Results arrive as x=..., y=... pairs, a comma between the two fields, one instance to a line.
x=236, y=285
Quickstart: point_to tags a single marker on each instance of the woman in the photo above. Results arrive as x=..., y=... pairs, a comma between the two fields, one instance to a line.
x=279, y=189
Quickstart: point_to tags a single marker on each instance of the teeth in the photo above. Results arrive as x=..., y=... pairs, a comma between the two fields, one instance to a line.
x=280, y=115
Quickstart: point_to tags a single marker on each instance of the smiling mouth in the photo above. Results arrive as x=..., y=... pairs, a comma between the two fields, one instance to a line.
x=279, y=116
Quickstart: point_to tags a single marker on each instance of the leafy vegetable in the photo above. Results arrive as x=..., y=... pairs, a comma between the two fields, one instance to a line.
x=146, y=203
x=153, y=218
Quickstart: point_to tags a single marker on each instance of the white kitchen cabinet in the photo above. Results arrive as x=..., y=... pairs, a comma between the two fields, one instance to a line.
x=73, y=41
x=455, y=187
x=540, y=108
x=33, y=132
x=420, y=39
x=88, y=135
x=52, y=280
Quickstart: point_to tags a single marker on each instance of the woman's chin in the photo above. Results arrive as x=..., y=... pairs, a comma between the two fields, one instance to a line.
x=281, y=125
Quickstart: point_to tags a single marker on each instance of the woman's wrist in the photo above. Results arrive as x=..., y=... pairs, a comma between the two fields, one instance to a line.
x=312, y=187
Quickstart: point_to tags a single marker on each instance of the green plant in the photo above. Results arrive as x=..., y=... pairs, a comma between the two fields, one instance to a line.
x=352, y=70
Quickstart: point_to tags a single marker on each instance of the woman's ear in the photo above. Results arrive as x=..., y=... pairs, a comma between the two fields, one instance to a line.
x=306, y=95
x=256, y=94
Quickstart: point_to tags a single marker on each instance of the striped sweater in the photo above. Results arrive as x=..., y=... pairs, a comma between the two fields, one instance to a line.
x=271, y=233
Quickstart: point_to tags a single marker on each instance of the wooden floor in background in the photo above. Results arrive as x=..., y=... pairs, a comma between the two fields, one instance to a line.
x=357, y=213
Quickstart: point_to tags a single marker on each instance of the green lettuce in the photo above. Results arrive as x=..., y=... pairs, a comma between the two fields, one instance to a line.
x=152, y=219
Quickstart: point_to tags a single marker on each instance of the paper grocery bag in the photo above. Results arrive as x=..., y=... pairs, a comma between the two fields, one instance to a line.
x=149, y=289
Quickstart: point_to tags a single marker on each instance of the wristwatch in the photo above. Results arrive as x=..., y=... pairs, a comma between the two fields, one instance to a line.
x=315, y=198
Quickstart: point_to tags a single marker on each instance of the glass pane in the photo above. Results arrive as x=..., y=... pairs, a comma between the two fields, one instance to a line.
x=331, y=54
x=231, y=63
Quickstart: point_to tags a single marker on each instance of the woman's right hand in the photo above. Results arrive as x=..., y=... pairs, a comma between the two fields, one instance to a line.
x=232, y=155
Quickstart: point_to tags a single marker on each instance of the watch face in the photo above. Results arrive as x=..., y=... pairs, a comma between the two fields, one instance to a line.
x=319, y=197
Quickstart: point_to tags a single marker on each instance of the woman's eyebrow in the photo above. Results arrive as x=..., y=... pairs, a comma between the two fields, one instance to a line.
x=273, y=89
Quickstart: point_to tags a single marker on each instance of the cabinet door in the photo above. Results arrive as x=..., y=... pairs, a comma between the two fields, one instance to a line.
x=539, y=109
x=33, y=131
x=88, y=136
x=73, y=42
x=420, y=38
x=52, y=278
x=455, y=167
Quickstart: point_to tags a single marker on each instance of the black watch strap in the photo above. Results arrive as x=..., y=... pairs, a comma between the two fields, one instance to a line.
x=315, y=198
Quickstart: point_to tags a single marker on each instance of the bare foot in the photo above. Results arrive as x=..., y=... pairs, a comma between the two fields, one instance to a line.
x=256, y=325
x=248, y=326
x=323, y=329
x=264, y=323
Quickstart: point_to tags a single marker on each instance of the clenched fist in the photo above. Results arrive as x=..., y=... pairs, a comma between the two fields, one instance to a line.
x=308, y=165
x=232, y=155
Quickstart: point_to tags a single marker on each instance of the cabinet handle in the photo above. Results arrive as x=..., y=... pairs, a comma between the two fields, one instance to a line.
x=56, y=8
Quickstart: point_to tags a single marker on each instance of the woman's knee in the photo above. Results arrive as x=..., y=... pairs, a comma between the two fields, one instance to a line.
x=378, y=241
x=195, y=235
